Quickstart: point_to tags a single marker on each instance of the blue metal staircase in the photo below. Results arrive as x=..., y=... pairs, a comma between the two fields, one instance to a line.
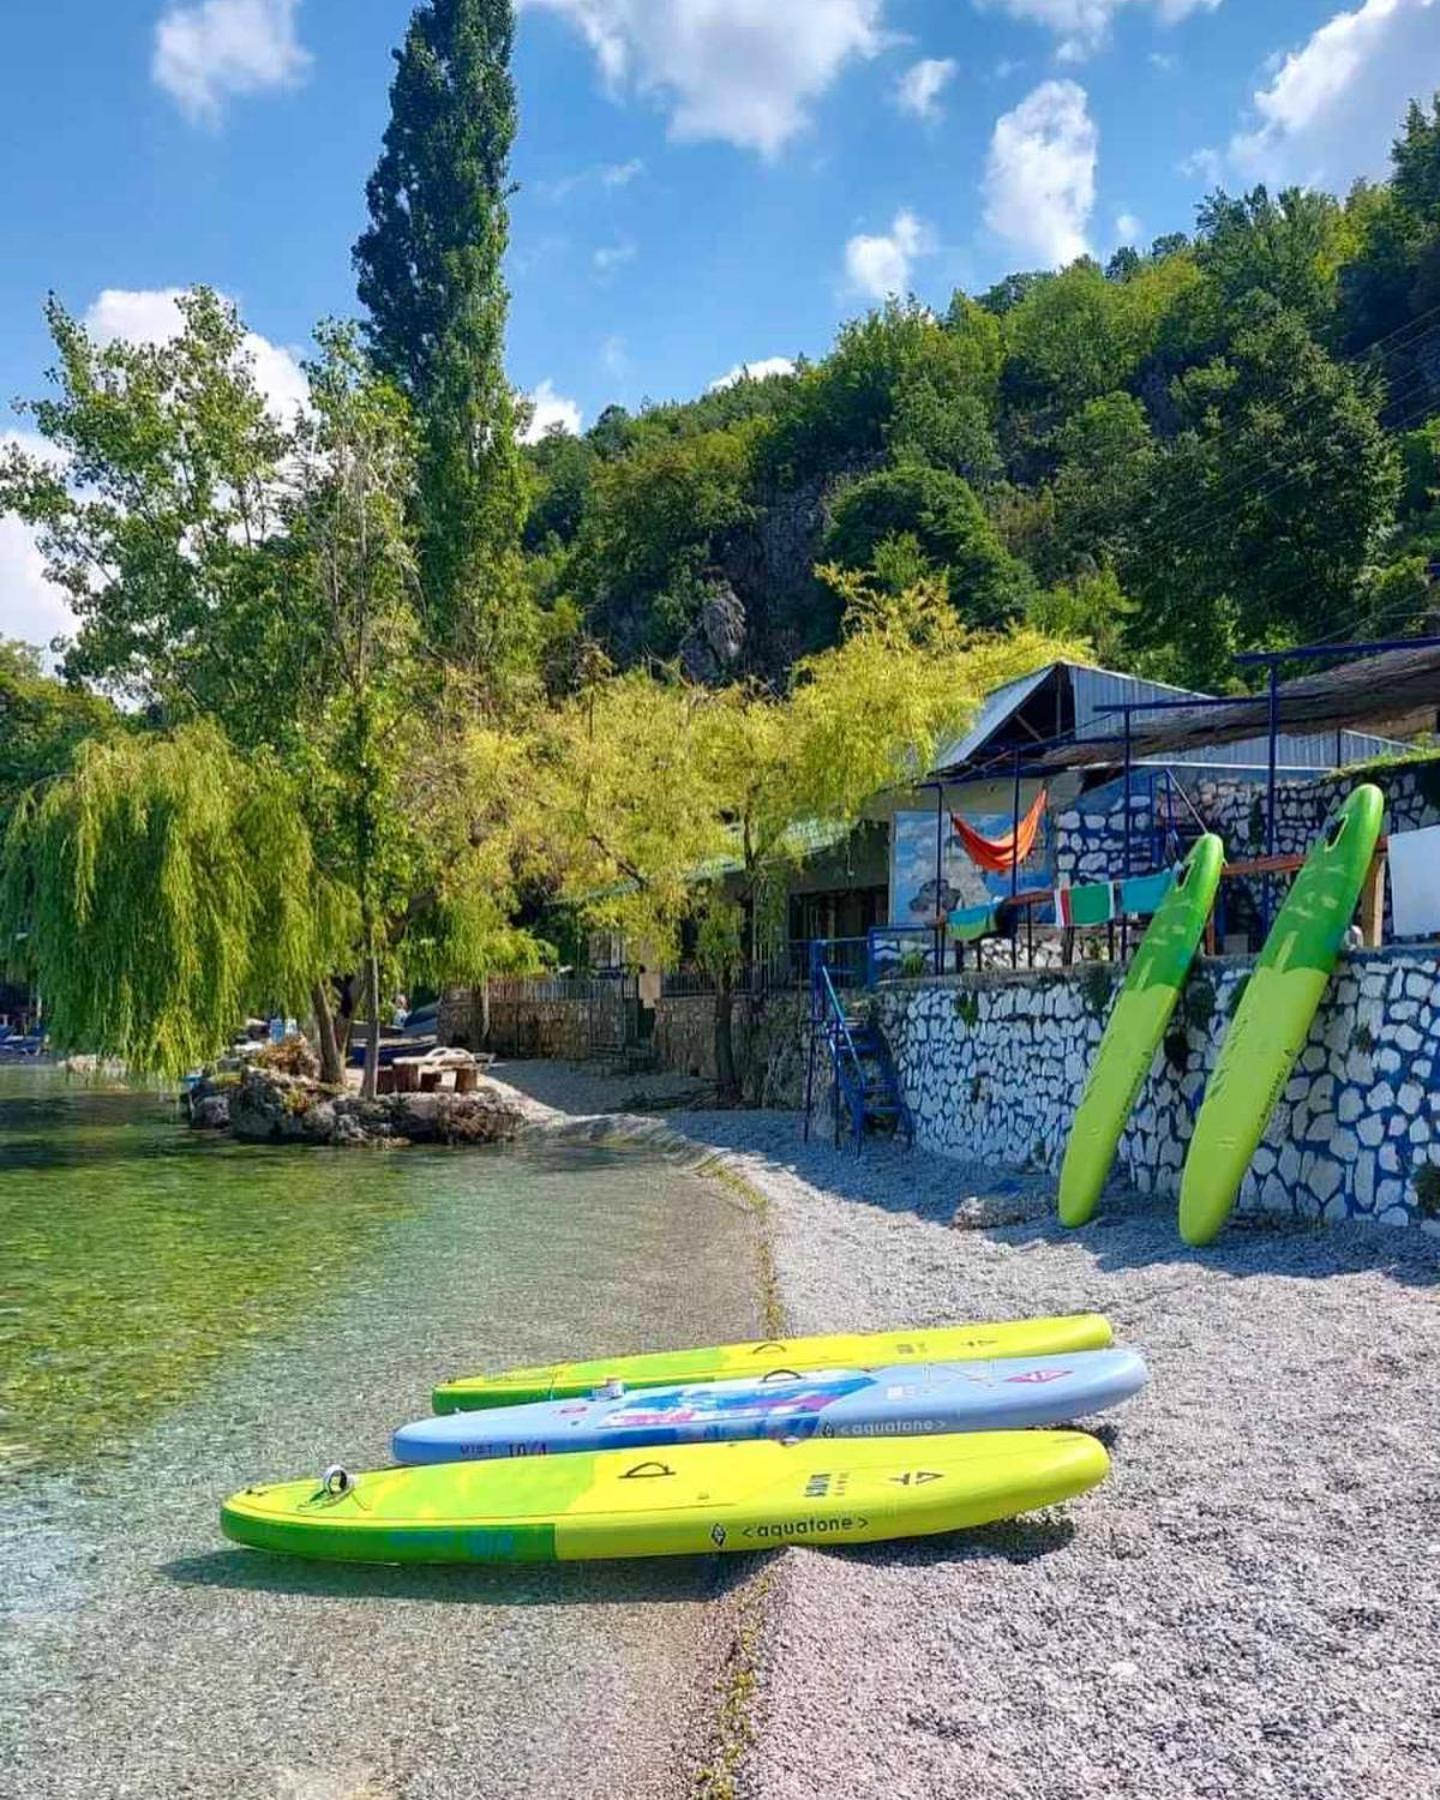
x=865, y=1091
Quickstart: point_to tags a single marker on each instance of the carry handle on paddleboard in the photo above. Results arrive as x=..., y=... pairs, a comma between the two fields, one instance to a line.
x=647, y=1471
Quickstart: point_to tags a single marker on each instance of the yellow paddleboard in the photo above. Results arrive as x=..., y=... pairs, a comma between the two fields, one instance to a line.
x=677, y=1502
x=721, y=1362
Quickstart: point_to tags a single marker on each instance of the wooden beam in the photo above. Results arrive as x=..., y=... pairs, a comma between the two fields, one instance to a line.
x=1372, y=903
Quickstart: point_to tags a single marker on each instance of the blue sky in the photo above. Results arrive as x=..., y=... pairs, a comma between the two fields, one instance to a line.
x=703, y=182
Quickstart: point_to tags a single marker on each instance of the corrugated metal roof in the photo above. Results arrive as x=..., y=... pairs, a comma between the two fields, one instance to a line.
x=998, y=706
x=1095, y=688
x=1381, y=689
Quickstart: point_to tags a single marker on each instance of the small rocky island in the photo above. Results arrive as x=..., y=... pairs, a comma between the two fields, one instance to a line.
x=281, y=1099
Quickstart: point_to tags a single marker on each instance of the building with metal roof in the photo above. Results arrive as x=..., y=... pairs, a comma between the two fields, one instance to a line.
x=1085, y=705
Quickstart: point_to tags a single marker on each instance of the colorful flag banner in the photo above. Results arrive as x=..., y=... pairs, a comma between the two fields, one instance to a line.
x=1146, y=893
x=968, y=924
x=1092, y=904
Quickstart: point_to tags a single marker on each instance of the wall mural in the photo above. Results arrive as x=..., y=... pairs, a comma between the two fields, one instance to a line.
x=916, y=895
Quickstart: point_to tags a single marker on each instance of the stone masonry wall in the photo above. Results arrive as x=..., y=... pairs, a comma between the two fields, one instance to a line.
x=769, y=1038
x=993, y=1068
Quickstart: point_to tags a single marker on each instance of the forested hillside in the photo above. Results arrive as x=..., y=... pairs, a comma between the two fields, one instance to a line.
x=1228, y=442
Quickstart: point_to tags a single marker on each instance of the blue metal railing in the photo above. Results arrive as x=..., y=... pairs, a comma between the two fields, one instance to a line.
x=854, y=1091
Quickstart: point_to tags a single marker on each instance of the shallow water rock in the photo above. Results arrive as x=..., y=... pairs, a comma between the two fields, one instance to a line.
x=269, y=1107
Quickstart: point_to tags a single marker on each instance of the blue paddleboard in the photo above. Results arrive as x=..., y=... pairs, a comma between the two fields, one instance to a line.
x=906, y=1399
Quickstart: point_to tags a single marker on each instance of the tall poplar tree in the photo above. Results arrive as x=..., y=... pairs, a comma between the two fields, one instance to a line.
x=429, y=268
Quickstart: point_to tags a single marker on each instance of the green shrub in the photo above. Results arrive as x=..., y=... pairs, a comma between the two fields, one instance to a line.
x=967, y=1008
x=1097, y=983
x=1199, y=1002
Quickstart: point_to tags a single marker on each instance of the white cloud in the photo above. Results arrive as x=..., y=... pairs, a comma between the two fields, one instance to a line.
x=881, y=266
x=919, y=89
x=31, y=608
x=605, y=175
x=757, y=371
x=206, y=53
x=614, y=357
x=1127, y=228
x=1083, y=25
x=550, y=409
x=1040, y=175
x=152, y=316
x=610, y=257
x=1331, y=111
x=744, y=71
x=1204, y=165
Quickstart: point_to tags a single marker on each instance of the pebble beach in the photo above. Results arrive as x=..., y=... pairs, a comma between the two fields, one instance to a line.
x=1249, y=1605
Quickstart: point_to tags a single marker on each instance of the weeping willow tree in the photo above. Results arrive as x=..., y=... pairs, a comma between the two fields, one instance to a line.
x=161, y=891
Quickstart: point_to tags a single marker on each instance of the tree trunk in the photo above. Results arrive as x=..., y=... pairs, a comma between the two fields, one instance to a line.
x=371, y=1084
x=332, y=1063
x=725, y=1077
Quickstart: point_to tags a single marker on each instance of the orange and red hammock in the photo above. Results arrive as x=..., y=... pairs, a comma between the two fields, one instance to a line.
x=1000, y=855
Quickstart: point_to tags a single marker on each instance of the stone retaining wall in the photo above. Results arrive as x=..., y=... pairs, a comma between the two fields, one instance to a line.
x=769, y=1037
x=993, y=1069
x=570, y=1030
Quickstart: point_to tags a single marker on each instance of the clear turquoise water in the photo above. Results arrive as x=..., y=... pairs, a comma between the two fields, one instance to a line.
x=136, y=1257
x=181, y=1316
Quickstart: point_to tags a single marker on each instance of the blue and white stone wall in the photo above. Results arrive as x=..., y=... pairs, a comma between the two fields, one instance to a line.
x=993, y=1068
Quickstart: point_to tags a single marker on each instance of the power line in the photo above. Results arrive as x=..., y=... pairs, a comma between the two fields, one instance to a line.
x=1221, y=503
x=1358, y=359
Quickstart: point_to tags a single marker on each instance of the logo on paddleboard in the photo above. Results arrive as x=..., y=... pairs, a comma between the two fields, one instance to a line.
x=798, y=1528
x=717, y=1536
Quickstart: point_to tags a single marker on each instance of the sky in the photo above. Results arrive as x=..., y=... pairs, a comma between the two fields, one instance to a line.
x=704, y=185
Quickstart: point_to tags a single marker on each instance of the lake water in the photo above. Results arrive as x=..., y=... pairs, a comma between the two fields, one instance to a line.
x=180, y=1315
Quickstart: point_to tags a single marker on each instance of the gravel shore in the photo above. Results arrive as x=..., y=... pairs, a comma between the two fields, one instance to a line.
x=1249, y=1606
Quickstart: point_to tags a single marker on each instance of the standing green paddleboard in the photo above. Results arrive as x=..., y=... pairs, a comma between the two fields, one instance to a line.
x=1136, y=1028
x=1269, y=1030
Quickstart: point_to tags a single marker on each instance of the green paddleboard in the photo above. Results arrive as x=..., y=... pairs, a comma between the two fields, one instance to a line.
x=1269, y=1030
x=1136, y=1028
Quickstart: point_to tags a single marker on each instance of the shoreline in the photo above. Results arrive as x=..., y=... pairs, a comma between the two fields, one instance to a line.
x=143, y=1654
x=1245, y=1606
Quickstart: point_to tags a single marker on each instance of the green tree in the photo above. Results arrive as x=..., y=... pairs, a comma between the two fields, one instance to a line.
x=258, y=581
x=42, y=723
x=156, y=514
x=429, y=268
x=1107, y=465
x=352, y=561
x=940, y=513
x=161, y=890
x=1416, y=162
x=1270, y=506
x=654, y=520
x=647, y=783
x=898, y=380
x=1288, y=247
